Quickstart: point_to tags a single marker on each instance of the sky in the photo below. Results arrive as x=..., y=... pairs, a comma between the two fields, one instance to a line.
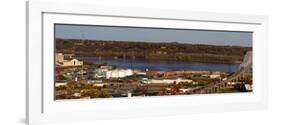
x=93, y=32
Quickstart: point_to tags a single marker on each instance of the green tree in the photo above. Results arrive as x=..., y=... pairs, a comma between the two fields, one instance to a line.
x=61, y=77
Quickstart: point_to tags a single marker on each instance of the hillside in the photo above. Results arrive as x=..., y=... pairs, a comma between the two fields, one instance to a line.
x=160, y=51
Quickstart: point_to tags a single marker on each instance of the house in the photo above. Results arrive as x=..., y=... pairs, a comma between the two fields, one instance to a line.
x=60, y=61
x=73, y=62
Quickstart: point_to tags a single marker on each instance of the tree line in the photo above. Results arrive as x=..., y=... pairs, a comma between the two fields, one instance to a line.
x=152, y=50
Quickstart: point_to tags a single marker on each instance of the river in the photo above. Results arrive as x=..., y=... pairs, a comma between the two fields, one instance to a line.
x=160, y=65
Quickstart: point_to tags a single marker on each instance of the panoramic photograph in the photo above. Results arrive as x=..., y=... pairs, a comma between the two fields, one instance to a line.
x=93, y=61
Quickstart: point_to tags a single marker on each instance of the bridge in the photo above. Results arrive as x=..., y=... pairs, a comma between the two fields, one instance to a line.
x=244, y=68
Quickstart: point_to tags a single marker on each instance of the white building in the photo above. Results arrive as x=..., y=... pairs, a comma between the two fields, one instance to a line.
x=141, y=73
x=119, y=73
x=215, y=76
x=129, y=94
x=61, y=84
x=179, y=80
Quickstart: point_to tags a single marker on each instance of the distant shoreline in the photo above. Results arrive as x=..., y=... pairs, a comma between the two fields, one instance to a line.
x=172, y=51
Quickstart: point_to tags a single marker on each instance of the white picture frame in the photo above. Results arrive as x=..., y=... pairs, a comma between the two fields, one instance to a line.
x=41, y=107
